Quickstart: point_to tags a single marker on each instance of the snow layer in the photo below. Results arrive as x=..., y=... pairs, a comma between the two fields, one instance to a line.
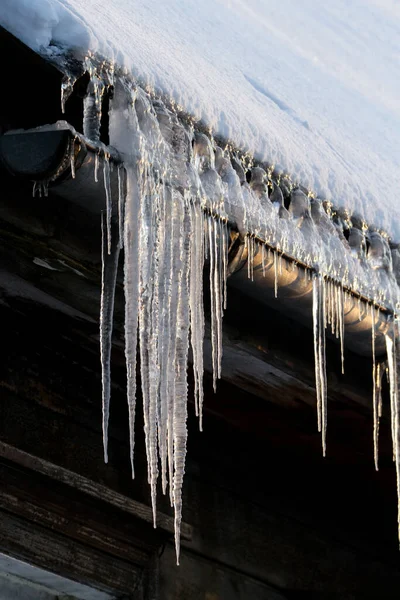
x=312, y=87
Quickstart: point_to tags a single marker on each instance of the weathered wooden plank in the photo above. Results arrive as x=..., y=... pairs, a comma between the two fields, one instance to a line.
x=69, y=558
x=91, y=488
x=63, y=519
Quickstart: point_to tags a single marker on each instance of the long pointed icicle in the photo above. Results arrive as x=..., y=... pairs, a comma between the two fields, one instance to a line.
x=175, y=275
x=131, y=288
x=319, y=355
x=109, y=263
x=213, y=294
x=341, y=323
x=375, y=374
x=196, y=304
x=180, y=400
x=107, y=189
x=392, y=342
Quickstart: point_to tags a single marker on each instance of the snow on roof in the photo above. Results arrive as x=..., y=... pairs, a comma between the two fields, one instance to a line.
x=309, y=86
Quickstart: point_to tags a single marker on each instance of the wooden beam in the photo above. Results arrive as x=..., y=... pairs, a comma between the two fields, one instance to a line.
x=91, y=488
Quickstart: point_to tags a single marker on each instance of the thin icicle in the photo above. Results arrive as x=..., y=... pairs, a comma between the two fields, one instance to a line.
x=180, y=401
x=217, y=292
x=108, y=281
x=175, y=276
x=224, y=250
x=131, y=289
x=72, y=158
x=196, y=304
x=121, y=202
x=341, y=323
x=107, y=189
x=392, y=340
x=92, y=108
x=247, y=245
x=319, y=355
x=374, y=390
x=96, y=167
x=213, y=298
x=263, y=258
x=275, y=273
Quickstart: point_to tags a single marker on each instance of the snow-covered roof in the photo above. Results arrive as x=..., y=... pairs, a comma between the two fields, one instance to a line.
x=312, y=87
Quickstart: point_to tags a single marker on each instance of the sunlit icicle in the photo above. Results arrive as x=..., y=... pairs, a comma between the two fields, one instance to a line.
x=156, y=299
x=276, y=273
x=92, y=108
x=319, y=355
x=107, y=189
x=328, y=308
x=213, y=298
x=218, y=291
x=392, y=342
x=340, y=320
x=196, y=304
x=96, y=167
x=377, y=372
x=316, y=326
x=121, y=203
x=263, y=258
x=225, y=237
x=251, y=257
x=131, y=290
x=67, y=86
x=164, y=314
x=109, y=268
x=72, y=158
x=248, y=251
x=176, y=244
x=180, y=400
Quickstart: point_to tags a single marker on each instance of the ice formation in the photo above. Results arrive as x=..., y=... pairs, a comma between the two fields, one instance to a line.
x=182, y=201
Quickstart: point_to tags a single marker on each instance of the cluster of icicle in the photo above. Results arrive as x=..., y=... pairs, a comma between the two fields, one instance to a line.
x=177, y=190
x=168, y=227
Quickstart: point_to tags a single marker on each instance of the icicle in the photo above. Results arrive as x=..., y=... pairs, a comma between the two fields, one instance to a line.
x=196, y=305
x=374, y=390
x=165, y=311
x=319, y=355
x=72, y=158
x=251, y=257
x=263, y=258
x=96, y=167
x=225, y=237
x=108, y=281
x=107, y=189
x=180, y=401
x=377, y=372
x=391, y=347
x=276, y=273
x=174, y=279
x=340, y=321
x=67, y=86
x=214, y=299
x=92, y=109
x=131, y=289
x=121, y=200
